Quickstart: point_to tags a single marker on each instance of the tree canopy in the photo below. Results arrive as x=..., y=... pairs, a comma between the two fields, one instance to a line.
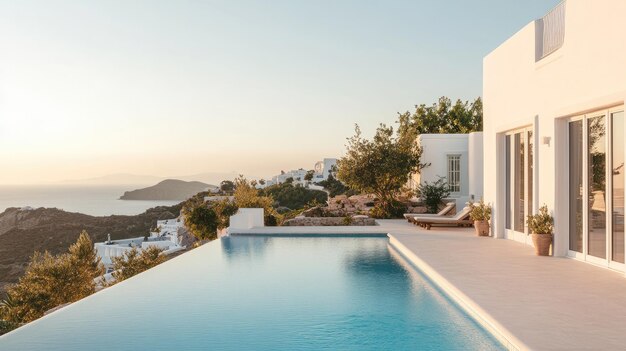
x=335, y=187
x=380, y=166
x=133, y=262
x=444, y=117
x=51, y=281
x=204, y=219
x=227, y=186
x=309, y=175
x=294, y=196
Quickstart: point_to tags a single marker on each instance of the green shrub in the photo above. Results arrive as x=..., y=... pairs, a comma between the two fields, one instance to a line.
x=395, y=210
x=6, y=327
x=433, y=193
x=133, y=262
x=271, y=220
x=335, y=187
x=51, y=281
x=540, y=223
x=293, y=196
x=480, y=212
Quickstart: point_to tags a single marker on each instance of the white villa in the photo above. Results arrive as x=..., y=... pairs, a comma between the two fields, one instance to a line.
x=456, y=157
x=554, y=129
x=322, y=170
x=165, y=237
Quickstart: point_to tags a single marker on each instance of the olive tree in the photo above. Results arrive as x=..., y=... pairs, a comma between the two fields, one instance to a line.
x=133, y=262
x=380, y=166
x=50, y=281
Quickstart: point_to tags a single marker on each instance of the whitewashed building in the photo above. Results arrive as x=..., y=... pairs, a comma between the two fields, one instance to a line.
x=165, y=237
x=554, y=129
x=458, y=158
x=322, y=170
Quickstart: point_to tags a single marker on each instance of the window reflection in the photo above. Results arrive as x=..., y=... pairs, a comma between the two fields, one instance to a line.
x=597, y=187
x=617, y=168
x=576, y=186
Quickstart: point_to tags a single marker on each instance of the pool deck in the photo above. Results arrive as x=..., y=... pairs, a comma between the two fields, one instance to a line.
x=528, y=302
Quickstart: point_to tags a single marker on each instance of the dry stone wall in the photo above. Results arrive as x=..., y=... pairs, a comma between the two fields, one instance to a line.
x=329, y=221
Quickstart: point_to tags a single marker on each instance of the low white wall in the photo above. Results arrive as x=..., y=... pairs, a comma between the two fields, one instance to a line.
x=106, y=252
x=160, y=244
x=247, y=218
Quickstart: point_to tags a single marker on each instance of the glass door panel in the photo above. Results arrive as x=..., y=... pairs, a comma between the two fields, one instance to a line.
x=509, y=172
x=576, y=186
x=596, y=240
x=617, y=171
x=519, y=195
x=530, y=172
x=518, y=179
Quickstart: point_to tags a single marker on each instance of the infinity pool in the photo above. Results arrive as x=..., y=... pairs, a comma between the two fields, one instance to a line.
x=265, y=293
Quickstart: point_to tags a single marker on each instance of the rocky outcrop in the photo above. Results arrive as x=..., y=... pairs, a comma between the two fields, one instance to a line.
x=355, y=204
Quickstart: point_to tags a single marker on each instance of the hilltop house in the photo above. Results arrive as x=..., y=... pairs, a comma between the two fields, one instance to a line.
x=554, y=129
x=322, y=170
x=458, y=158
x=165, y=237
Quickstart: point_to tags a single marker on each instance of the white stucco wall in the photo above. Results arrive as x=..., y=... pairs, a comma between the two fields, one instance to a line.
x=328, y=165
x=435, y=150
x=587, y=73
x=246, y=218
x=165, y=244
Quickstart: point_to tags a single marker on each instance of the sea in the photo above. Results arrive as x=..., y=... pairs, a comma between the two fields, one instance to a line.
x=95, y=200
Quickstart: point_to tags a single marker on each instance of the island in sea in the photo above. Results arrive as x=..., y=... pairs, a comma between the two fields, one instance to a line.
x=169, y=189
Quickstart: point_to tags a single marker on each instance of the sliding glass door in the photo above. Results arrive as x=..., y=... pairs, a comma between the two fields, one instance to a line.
x=596, y=210
x=576, y=186
x=519, y=182
x=617, y=186
x=596, y=187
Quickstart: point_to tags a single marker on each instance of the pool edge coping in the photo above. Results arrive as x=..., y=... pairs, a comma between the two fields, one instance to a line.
x=484, y=319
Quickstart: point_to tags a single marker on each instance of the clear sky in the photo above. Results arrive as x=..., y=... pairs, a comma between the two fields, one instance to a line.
x=89, y=88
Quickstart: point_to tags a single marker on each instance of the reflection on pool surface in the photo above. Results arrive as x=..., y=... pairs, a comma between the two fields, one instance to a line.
x=264, y=293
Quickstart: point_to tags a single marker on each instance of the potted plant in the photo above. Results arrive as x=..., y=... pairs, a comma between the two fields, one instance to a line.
x=481, y=214
x=540, y=227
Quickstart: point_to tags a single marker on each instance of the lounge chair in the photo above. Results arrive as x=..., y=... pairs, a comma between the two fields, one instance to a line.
x=444, y=211
x=460, y=219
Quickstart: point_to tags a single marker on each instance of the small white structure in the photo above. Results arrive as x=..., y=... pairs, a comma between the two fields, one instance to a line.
x=247, y=218
x=165, y=237
x=554, y=130
x=327, y=169
x=297, y=175
x=458, y=158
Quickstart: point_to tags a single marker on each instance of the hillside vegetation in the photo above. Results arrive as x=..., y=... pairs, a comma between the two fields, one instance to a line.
x=49, y=229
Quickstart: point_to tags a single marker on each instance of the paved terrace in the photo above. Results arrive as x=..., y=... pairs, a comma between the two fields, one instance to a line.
x=529, y=302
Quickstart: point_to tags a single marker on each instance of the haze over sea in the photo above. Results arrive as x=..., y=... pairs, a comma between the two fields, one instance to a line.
x=95, y=200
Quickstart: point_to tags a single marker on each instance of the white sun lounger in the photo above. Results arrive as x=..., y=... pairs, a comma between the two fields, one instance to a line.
x=460, y=219
x=444, y=211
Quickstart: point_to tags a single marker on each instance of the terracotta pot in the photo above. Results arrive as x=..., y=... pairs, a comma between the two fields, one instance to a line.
x=482, y=228
x=542, y=244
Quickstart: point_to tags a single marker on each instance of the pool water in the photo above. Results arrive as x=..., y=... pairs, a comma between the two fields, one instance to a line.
x=265, y=293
